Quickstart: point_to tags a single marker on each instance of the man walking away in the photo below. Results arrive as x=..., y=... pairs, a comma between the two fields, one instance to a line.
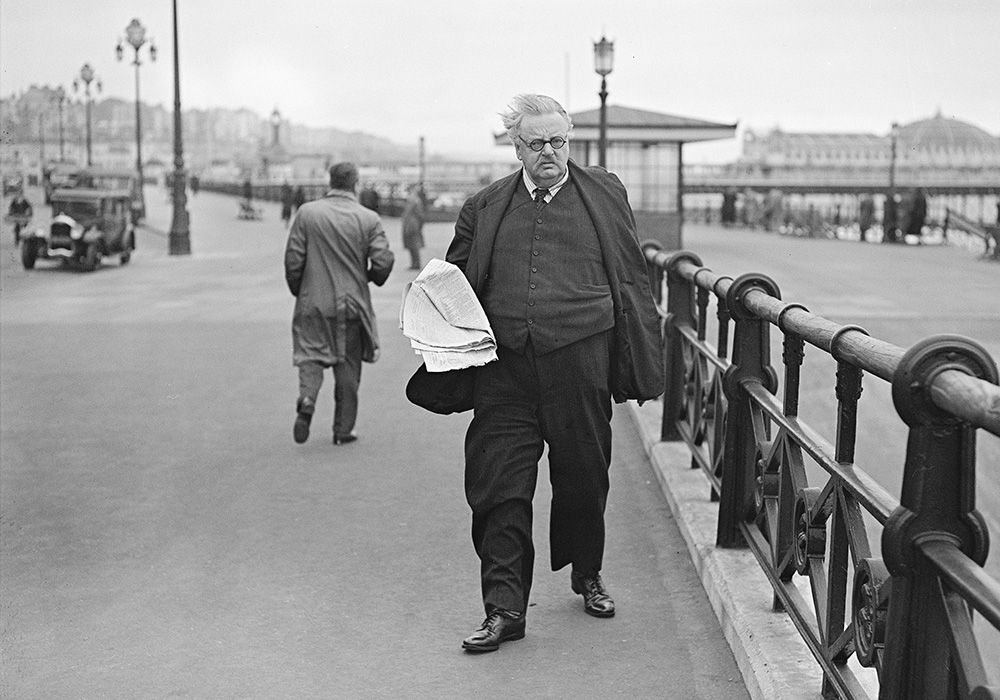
x=335, y=248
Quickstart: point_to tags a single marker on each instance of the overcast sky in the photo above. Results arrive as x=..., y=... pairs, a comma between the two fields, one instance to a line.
x=443, y=69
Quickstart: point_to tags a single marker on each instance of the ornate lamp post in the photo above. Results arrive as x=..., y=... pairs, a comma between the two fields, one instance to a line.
x=180, y=235
x=87, y=76
x=136, y=36
x=604, y=58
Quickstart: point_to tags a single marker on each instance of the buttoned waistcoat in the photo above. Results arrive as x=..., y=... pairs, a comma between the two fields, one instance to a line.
x=636, y=365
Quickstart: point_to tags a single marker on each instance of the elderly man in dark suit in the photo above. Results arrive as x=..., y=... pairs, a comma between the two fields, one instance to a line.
x=551, y=252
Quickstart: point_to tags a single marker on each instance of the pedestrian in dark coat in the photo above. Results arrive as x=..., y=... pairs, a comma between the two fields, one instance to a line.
x=916, y=214
x=369, y=198
x=299, y=199
x=866, y=215
x=413, y=226
x=287, y=199
x=890, y=221
x=335, y=248
x=563, y=282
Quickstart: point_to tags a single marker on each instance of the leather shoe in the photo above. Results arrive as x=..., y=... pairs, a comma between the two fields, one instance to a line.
x=345, y=439
x=596, y=600
x=305, y=407
x=497, y=627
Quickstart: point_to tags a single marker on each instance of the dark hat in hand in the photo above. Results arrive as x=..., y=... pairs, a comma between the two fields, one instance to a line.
x=442, y=392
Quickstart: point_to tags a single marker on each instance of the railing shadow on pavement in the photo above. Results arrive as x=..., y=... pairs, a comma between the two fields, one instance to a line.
x=908, y=615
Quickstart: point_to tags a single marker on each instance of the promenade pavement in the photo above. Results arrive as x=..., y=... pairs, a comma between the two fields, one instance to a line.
x=161, y=536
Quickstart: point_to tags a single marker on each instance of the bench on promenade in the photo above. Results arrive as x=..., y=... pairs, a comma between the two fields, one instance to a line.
x=989, y=236
x=907, y=614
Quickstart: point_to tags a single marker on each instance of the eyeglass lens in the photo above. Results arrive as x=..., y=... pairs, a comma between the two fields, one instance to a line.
x=538, y=144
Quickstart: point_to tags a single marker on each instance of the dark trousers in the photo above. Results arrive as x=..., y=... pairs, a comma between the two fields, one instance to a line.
x=346, y=378
x=414, y=258
x=522, y=403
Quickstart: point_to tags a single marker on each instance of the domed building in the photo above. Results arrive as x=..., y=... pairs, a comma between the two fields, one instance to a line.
x=956, y=164
x=940, y=142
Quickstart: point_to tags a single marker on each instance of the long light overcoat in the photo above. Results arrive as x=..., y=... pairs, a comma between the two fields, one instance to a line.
x=335, y=248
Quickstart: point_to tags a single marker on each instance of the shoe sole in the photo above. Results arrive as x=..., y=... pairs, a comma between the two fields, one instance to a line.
x=300, y=432
x=494, y=647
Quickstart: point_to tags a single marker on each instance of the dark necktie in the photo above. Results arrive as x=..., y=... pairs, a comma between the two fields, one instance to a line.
x=540, y=193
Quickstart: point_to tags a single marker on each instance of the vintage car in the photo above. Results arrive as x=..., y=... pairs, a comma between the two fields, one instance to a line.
x=87, y=224
x=98, y=178
x=102, y=178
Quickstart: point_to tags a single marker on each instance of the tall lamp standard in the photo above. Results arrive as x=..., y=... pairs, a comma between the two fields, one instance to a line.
x=60, y=98
x=135, y=34
x=180, y=235
x=889, y=212
x=87, y=76
x=604, y=58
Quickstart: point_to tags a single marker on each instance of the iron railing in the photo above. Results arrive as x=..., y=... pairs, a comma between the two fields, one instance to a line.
x=909, y=613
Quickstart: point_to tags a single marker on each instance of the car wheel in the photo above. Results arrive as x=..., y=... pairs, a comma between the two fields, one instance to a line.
x=92, y=258
x=126, y=254
x=29, y=253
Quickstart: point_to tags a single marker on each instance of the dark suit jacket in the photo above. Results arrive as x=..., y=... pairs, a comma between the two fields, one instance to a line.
x=637, y=366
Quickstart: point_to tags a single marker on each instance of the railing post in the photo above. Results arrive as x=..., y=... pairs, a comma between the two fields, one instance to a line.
x=751, y=363
x=937, y=505
x=680, y=313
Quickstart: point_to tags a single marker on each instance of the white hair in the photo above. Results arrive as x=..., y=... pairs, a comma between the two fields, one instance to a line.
x=531, y=104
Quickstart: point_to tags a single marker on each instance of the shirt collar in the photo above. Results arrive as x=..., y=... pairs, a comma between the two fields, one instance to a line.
x=529, y=183
x=342, y=193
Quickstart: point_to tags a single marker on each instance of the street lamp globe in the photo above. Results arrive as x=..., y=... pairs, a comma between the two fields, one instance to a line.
x=136, y=34
x=604, y=56
x=86, y=74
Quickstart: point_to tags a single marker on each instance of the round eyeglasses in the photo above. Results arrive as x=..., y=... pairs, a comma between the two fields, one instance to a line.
x=538, y=144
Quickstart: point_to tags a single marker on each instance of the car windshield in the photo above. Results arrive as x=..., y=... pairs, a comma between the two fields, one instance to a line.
x=77, y=210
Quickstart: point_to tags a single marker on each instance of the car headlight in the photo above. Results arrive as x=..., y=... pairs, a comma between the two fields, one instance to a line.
x=76, y=233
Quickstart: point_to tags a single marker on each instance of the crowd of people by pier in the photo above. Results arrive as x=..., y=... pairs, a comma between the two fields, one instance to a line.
x=903, y=214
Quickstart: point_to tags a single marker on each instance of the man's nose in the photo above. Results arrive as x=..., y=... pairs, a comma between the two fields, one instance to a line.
x=547, y=148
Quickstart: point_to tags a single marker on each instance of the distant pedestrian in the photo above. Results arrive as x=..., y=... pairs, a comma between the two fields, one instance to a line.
x=413, y=226
x=916, y=214
x=247, y=191
x=335, y=248
x=728, y=213
x=195, y=184
x=866, y=215
x=369, y=198
x=20, y=211
x=890, y=225
x=287, y=200
x=299, y=199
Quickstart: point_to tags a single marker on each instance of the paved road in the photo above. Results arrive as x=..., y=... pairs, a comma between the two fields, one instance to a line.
x=162, y=537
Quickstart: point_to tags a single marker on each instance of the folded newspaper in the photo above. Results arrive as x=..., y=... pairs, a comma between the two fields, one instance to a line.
x=444, y=320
